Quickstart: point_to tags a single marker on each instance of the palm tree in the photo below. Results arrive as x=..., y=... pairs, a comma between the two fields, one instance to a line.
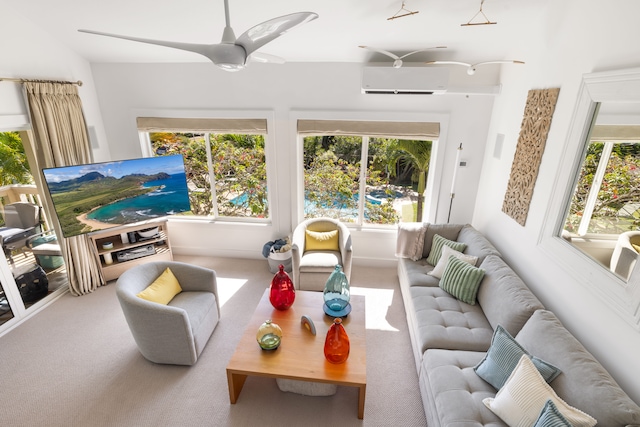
x=417, y=154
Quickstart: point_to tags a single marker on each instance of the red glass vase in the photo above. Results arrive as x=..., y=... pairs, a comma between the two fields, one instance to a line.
x=336, y=345
x=281, y=294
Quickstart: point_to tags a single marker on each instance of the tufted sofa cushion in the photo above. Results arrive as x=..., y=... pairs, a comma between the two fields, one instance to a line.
x=451, y=391
x=445, y=322
x=414, y=273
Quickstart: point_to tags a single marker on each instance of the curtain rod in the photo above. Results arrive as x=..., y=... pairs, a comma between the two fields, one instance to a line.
x=79, y=82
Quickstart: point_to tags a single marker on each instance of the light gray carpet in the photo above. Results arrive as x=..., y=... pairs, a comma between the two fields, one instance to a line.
x=76, y=364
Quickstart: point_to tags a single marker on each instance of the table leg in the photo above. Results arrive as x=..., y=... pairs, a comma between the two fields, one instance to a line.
x=236, y=381
x=361, y=394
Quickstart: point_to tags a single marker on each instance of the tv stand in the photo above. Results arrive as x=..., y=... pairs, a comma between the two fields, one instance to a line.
x=115, y=260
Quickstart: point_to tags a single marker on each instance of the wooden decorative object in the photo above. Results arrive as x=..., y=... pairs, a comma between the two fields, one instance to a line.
x=533, y=136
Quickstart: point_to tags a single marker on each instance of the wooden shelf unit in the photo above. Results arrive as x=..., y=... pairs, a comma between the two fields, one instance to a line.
x=112, y=271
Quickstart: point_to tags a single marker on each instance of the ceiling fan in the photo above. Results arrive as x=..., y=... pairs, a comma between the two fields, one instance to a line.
x=397, y=63
x=471, y=68
x=232, y=54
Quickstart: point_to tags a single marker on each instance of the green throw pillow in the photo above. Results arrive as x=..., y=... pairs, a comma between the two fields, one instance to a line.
x=436, y=248
x=461, y=280
x=502, y=358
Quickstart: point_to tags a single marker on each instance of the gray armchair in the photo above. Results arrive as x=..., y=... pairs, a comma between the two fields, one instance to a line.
x=311, y=269
x=175, y=333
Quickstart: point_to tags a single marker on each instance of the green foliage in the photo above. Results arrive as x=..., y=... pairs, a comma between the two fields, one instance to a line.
x=239, y=168
x=14, y=168
x=620, y=188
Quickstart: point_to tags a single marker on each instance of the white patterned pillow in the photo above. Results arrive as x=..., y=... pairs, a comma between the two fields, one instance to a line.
x=524, y=395
x=444, y=260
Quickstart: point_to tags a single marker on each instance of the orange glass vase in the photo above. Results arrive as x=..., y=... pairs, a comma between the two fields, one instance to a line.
x=281, y=293
x=336, y=345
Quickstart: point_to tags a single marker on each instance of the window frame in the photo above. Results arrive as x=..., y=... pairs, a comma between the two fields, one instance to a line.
x=432, y=192
x=269, y=137
x=623, y=297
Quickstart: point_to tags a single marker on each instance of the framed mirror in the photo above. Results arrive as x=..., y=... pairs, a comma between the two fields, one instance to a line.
x=592, y=226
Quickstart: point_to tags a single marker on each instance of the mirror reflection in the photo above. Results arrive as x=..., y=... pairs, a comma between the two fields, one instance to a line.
x=603, y=217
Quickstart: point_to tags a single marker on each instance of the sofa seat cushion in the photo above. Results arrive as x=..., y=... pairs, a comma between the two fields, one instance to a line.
x=583, y=383
x=320, y=261
x=414, y=273
x=504, y=297
x=454, y=391
x=447, y=323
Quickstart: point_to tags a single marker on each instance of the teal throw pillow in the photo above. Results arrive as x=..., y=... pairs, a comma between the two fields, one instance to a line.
x=502, y=358
x=436, y=248
x=551, y=417
x=461, y=280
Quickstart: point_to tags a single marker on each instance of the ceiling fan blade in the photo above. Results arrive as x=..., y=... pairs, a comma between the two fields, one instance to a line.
x=449, y=63
x=192, y=47
x=384, y=52
x=261, y=34
x=498, y=62
x=422, y=50
x=224, y=55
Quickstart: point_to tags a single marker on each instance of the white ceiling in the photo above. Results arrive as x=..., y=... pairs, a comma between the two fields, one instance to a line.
x=333, y=37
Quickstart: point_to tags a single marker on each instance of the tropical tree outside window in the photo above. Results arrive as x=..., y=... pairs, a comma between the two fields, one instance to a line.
x=607, y=197
x=393, y=181
x=234, y=163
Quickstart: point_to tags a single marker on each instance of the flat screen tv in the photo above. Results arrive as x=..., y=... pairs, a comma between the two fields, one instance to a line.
x=98, y=196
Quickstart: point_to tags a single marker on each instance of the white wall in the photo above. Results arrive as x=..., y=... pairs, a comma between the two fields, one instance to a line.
x=576, y=37
x=126, y=89
x=30, y=53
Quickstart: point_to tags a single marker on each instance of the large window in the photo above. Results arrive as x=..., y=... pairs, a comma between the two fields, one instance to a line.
x=364, y=172
x=225, y=162
x=606, y=199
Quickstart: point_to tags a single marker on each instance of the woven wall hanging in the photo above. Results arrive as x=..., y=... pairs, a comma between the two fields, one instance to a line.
x=533, y=136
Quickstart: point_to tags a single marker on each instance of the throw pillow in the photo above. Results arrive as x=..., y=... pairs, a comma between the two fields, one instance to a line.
x=444, y=260
x=522, y=399
x=163, y=289
x=321, y=241
x=502, y=358
x=436, y=248
x=551, y=417
x=461, y=280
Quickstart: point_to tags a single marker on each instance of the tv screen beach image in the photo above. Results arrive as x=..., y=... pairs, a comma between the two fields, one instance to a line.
x=97, y=196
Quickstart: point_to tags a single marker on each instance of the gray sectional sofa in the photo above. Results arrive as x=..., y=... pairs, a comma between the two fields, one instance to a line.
x=450, y=338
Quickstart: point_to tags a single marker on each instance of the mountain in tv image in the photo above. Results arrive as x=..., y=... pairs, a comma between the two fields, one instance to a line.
x=102, y=195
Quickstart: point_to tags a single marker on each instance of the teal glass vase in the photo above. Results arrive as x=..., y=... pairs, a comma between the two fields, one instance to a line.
x=336, y=290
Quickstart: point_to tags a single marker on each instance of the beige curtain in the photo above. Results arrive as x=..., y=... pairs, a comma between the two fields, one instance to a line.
x=61, y=139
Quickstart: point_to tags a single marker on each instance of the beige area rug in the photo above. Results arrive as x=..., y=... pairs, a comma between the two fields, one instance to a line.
x=76, y=364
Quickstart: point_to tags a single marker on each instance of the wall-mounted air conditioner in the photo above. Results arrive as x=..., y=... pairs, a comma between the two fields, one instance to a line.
x=405, y=80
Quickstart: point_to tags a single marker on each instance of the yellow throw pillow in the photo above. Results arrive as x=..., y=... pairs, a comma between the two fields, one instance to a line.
x=163, y=289
x=321, y=241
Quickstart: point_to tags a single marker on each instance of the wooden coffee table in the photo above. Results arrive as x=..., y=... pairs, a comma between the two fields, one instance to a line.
x=301, y=354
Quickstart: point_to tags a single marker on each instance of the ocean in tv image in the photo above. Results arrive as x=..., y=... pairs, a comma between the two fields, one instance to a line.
x=102, y=195
x=167, y=198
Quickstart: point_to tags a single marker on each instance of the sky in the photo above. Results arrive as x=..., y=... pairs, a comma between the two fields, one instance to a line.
x=117, y=169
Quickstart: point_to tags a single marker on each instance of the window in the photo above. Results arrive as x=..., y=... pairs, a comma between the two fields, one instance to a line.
x=225, y=162
x=391, y=186
x=606, y=199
